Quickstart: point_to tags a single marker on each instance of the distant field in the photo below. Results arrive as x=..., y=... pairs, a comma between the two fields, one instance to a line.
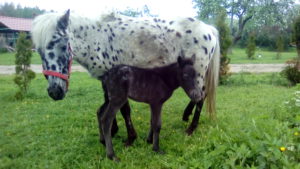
x=238, y=56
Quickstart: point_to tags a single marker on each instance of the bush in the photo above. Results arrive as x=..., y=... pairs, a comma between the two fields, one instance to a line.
x=291, y=72
x=251, y=46
x=23, y=59
x=225, y=43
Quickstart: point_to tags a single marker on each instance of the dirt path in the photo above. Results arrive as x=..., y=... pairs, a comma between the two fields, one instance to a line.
x=234, y=68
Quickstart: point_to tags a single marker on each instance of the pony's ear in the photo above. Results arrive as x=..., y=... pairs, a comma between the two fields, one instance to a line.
x=63, y=22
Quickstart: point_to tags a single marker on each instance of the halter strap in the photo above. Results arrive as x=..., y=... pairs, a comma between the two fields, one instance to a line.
x=60, y=75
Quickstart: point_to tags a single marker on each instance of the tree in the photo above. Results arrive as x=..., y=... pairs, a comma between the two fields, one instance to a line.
x=267, y=11
x=296, y=39
x=9, y=9
x=251, y=46
x=279, y=46
x=225, y=43
x=23, y=58
x=137, y=12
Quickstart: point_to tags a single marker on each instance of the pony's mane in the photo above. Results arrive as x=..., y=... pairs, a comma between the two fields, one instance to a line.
x=43, y=28
x=44, y=25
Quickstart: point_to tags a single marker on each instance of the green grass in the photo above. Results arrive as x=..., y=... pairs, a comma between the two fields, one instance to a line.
x=9, y=58
x=238, y=56
x=252, y=125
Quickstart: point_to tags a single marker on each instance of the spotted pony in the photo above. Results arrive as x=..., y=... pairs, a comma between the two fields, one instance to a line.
x=113, y=39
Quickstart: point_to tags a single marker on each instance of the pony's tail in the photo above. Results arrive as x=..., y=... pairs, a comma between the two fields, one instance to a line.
x=212, y=77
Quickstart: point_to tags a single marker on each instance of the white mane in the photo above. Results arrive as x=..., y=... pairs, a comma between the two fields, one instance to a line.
x=43, y=28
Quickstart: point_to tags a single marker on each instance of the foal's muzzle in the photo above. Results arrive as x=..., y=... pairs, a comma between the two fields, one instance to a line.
x=56, y=92
x=195, y=95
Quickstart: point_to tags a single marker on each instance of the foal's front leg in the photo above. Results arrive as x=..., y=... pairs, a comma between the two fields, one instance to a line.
x=106, y=123
x=156, y=125
x=196, y=117
x=188, y=111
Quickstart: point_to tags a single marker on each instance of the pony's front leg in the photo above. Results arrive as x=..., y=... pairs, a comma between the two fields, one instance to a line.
x=156, y=125
x=196, y=117
x=188, y=111
x=125, y=110
x=106, y=123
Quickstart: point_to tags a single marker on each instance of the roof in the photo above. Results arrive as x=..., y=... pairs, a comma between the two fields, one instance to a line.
x=17, y=24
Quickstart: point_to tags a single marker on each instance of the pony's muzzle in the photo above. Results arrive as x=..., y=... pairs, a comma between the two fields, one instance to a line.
x=56, y=92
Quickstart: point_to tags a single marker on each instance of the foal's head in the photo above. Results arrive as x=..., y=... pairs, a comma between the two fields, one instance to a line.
x=51, y=39
x=187, y=78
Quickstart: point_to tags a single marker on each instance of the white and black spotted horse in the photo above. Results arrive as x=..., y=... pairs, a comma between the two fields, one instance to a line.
x=99, y=45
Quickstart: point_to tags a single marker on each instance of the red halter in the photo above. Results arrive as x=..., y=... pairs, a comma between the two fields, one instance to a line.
x=60, y=75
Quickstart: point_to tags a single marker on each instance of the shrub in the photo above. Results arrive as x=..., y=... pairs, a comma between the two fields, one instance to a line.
x=280, y=47
x=291, y=72
x=225, y=43
x=23, y=58
x=251, y=46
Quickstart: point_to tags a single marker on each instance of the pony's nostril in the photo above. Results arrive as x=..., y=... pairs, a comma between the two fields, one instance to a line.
x=56, y=92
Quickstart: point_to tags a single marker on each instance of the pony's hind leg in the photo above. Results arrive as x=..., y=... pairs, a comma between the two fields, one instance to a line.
x=196, y=117
x=125, y=110
x=188, y=111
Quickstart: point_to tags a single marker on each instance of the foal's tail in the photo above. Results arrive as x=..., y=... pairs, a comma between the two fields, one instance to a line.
x=212, y=77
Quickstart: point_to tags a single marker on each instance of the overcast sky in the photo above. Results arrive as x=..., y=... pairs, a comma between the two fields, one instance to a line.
x=164, y=8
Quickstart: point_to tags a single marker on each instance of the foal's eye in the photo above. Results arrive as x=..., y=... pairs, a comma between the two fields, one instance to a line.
x=185, y=75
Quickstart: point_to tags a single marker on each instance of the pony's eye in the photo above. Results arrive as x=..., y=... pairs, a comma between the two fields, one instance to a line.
x=64, y=48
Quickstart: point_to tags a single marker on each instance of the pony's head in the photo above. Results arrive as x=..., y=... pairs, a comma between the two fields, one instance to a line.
x=49, y=34
x=187, y=78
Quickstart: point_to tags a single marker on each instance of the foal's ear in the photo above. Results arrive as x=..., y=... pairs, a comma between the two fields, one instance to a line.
x=125, y=71
x=63, y=22
x=180, y=60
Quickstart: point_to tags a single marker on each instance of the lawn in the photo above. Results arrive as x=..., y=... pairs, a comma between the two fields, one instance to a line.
x=253, y=124
x=237, y=56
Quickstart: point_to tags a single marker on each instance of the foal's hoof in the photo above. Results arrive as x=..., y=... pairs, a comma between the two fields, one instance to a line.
x=190, y=131
x=185, y=118
x=159, y=151
x=149, y=141
x=102, y=141
x=128, y=143
x=114, y=158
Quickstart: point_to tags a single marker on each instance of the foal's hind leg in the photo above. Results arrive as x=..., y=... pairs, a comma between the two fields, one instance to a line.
x=125, y=110
x=196, y=117
x=188, y=111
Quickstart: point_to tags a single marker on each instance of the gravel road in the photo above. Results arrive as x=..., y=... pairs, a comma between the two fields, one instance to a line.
x=234, y=68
